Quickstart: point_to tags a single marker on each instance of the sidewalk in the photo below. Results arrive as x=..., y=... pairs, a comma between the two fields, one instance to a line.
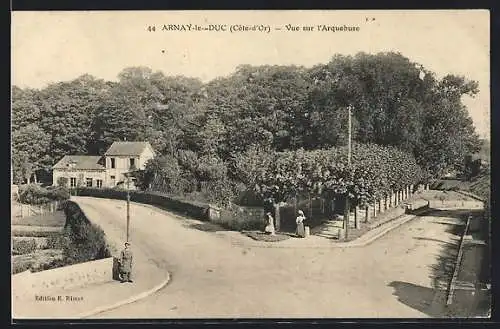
x=89, y=300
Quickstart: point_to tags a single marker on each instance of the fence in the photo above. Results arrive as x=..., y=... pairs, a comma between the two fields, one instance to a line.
x=317, y=210
x=26, y=210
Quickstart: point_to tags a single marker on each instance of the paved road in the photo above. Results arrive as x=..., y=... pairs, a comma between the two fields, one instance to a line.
x=392, y=277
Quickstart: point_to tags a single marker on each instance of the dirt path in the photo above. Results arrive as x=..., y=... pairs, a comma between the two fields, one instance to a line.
x=393, y=277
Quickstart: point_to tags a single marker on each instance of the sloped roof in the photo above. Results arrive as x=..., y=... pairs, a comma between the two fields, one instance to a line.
x=86, y=162
x=127, y=148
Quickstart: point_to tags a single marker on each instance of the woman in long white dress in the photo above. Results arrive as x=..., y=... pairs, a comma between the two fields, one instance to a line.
x=270, y=224
x=301, y=232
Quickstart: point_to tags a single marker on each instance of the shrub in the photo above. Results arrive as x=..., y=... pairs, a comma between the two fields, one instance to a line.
x=51, y=264
x=18, y=267
x=22, y=247
x=35, y=261
x=57, y=193
x=83, y=241
x=62, y=181
x=37, y=195
x=56, y=242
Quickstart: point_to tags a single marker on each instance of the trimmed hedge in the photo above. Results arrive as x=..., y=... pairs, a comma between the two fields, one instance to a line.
x=193, y=209
x=21, y=247
x=36, y=234
x=84, y=241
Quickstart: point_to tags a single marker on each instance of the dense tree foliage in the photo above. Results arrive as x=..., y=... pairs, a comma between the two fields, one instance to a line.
x=250, y=128
x=375, y=171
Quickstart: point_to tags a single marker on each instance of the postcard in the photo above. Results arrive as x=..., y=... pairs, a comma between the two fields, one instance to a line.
x=277, y=164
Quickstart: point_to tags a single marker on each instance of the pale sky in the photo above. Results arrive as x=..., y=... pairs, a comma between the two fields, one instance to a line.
x=58, y=46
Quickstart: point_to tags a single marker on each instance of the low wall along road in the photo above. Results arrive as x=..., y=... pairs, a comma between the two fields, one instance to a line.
x=63, y=278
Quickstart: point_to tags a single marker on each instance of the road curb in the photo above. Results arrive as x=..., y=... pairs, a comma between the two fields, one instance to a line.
x=385, y=231
x=129, y=300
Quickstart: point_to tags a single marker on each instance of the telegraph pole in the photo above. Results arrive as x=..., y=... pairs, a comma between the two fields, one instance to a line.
x=128, y=207
x=349, y=147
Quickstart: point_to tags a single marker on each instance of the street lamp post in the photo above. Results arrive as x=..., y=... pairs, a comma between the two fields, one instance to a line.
x=128, y=206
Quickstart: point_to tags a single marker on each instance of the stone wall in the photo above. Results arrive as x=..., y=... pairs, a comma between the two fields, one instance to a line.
x=238, y=217
x=63, y=278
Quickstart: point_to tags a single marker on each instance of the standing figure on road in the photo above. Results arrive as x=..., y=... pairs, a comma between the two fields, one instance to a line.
x=126, y=263
x=270, y=224
x=301, y=232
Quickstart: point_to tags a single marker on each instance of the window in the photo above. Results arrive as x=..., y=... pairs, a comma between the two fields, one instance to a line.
x=89, y=182
x=112, y=179
x=132, y=163
x=98, y=183
x=112, y=163
x=72, y=181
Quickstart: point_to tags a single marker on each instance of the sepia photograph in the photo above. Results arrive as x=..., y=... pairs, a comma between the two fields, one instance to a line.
x=258, y=164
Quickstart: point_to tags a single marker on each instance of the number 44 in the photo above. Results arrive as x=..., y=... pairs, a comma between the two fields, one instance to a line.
x=151, y=28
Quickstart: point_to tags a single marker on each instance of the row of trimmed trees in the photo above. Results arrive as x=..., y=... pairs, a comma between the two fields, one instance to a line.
x=378, y=175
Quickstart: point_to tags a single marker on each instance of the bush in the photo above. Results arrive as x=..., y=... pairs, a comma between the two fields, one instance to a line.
x=51, y=264
x=37, y=195
x=62, y=181
x=22, y=247
x=18, y=267
x=57, y=193
x=35, y=261
x=56, y=242
x=83, y=240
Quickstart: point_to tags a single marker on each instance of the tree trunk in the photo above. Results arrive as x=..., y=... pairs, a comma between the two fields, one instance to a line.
x=310, y=207
x=346, y=218
x=356, y=218
x=277, y=216
x=295, y=205
x=367, y=214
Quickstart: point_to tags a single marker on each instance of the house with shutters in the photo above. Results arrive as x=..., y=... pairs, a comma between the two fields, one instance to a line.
x=103, y=171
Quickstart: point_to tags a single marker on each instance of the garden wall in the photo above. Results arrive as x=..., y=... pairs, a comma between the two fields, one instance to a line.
x=239, y=217
x=193, y=209
x=63, y=278
x=236, y=218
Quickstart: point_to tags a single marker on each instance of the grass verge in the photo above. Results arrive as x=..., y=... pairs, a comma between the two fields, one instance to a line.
x=260, y=236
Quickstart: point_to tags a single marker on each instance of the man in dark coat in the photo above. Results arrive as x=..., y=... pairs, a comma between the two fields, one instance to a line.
x=126, y=263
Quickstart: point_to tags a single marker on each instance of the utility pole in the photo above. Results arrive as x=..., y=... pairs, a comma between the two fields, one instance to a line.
x=128, y=207
x=349, y=146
